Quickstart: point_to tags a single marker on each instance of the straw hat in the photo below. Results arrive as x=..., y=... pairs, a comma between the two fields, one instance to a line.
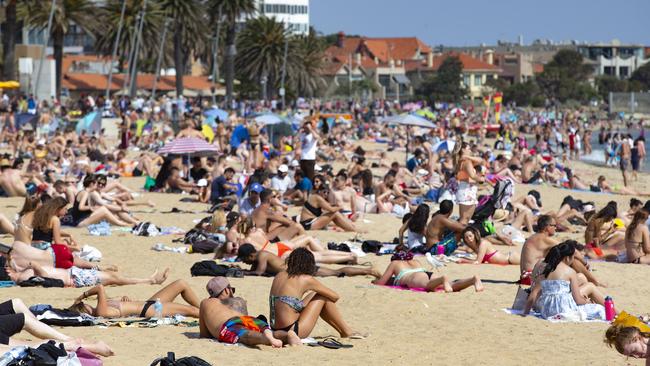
x=499, y=215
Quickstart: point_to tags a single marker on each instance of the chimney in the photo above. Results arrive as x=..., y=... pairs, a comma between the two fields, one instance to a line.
x=489, y=57
x=430, y=59
x=339, y=39
x=357, y=58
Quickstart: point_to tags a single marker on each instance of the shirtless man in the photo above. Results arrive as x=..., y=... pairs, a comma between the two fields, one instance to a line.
x=188, y=130
x=11, y=181
x=225, y=318
x=537, y=246
x=388, y=194
x=274, y=224
x=441, y=228
x=626, y=154
x=344, y=196
x=265, y=263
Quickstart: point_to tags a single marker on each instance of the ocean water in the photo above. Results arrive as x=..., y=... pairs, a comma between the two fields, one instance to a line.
x=597, y=155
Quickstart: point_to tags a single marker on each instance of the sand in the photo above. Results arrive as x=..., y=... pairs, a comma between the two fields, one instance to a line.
x=405, y=327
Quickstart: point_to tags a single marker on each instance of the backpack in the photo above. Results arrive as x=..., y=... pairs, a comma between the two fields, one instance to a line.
x=194, y=236
x=171, y=360
x=145, y=229
x=371, y=246
x=212, y=269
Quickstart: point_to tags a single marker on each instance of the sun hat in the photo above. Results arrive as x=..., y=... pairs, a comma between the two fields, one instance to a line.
x=499, y=215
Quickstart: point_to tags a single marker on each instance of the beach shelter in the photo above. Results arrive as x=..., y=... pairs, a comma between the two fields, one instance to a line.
x=409, y=120
x=190, y=146
x=213, y=113
x=444, y=145
x=91, y=123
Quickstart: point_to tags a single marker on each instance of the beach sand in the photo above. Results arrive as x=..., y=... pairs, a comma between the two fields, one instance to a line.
x=405, y=327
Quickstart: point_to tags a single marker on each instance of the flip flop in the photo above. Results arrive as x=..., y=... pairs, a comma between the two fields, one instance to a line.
x=332, y=343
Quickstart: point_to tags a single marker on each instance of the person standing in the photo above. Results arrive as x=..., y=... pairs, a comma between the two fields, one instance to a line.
x=625, y=153
x=308, y=146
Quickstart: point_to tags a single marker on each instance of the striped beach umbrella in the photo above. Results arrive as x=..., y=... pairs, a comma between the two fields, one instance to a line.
x=190, y=146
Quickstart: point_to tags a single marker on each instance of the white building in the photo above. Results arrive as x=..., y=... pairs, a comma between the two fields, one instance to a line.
x=293, y=12
x=614, y=59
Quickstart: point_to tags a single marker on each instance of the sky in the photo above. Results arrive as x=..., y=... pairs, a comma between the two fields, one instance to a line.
x=472, y=22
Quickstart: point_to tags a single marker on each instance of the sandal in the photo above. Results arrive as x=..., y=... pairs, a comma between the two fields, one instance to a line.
x=332, y=343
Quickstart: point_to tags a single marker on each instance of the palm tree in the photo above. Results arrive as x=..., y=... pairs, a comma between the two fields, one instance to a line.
x=188, y=27
x=304, y=63
x=67, y=12
x=261, y=45
x=9, y=41
x=232, y=10
x=110, y=19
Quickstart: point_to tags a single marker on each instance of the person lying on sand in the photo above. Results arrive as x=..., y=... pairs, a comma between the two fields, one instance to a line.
x=16, y=317
x=265, y=263
x=125, y=307
x=225, y=317
x=407, y=272
x=629, y=341
x=485, y=251
x=274, y=224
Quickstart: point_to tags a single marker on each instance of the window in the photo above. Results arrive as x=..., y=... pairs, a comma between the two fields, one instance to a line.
x=623, y=71
x=609, y=70
x=478, y=79
x=466, y=80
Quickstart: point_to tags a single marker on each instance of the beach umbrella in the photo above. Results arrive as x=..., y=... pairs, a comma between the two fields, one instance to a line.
x=411, y=106
x=269, y=119
x=214, y=113
x=239, y=134
x=190, y=146
x=457, y=111
x=11, y=84
x=92, y=122
x=444, y=145
x=410, y=120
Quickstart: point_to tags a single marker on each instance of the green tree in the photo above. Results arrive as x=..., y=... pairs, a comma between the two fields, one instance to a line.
x=608, y=83
x=231, y=10
x=445, y=85
x=565, y=77
x=188, y=30
x=67, y=12
x=642, y=76
x=304, y=63
x=523, y=94
x=9, y=41
x=261, y=45
x=358, y=88
x=110, y=19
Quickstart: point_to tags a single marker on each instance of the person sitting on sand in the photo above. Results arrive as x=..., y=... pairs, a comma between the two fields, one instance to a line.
x=560, y=289
x=629, y=341
x=414, y=225
x=627, y=216
x=602, y=236
x=82, y=214
x=16, y=317
x=275, y=225
x=264, y=263
x=637, y=239
x=225, y=317
x=317, y=213
x=388, y=195
x=77, y=277
x=407, y=272
x=485, y=251
x=292, y=310
x=442, y=230
x=125, y=307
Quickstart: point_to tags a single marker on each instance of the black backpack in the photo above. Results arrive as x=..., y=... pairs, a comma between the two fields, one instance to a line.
x=171, y=360
x=45, y=355
x=212, y=269
x=371, y=246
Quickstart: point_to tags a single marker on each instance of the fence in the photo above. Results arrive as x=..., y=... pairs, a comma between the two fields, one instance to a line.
x=629, y=103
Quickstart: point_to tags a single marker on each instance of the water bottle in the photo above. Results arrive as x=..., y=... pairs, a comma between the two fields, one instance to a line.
x=16, y=353
x=440, y=249
x=610, y=312
x=158, y=309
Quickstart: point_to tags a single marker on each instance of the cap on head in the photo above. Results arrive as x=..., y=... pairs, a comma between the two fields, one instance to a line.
x=216, y=285
x=283, y=168
x=257, y=188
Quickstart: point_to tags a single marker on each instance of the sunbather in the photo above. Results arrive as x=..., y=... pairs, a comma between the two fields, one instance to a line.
x=629, y=341
x=485, y=251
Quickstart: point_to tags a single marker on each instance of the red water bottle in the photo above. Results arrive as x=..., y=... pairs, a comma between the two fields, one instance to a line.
x=610, y=312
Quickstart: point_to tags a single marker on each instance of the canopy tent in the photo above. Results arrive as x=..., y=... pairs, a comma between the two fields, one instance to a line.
x=91, y=123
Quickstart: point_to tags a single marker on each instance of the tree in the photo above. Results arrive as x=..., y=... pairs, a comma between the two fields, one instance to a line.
x=188, y=28
x=608, y=83
x=9, y=41
x=110, y=20
x=642, y=76
x=358, y=88
x=565, y=77
x=232, y=10
x=305, y=60
x=445, y=85
x=67, y=12
x=261, y=55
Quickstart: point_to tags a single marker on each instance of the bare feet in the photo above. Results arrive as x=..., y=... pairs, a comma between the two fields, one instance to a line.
x=355, y=335
x=478, y=285
x=293, y=339
x=158, y=278
x=448, y=287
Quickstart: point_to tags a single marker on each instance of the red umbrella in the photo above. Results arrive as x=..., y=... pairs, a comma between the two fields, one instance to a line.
x=190, y=146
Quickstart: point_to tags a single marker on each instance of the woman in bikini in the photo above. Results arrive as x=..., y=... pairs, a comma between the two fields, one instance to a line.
x=317, y=213
x=407, y=272
x=23, y=225
x=602, y=236
x=292, y=308
x=125, y=307
x=81, y=214
x=637, y=239
x=485, y=252
x=467, y=178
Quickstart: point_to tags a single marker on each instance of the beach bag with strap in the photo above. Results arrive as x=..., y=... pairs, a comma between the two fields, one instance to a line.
x=208, y=268
x=520, y=298
x=171, y=360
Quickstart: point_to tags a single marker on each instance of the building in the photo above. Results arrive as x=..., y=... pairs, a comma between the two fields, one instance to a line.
x=476, y=72
x=293, y=12
x=614, y=59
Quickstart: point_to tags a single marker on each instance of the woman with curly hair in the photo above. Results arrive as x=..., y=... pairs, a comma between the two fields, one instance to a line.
x=292, y=310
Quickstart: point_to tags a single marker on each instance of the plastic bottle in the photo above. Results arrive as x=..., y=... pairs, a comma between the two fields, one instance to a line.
x=16, y=353
x=610, y=312
x=158, y=309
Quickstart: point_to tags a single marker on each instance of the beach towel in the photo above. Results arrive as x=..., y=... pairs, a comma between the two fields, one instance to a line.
x=584, y=315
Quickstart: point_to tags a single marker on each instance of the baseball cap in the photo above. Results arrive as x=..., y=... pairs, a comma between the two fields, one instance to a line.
x=216, y=285
x=283, y=168
x=256, y=187
x=245, y=250
x=202, y=183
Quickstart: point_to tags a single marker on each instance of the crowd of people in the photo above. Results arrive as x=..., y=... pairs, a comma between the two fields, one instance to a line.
x=267, y=194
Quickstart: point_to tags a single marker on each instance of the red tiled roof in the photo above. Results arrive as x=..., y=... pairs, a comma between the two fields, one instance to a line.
x=469, y=63
x=538, y=68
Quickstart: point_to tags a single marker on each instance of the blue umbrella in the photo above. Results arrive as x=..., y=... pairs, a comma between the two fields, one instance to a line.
x=92, y=122
x=444, y=145
x=239, y=134
x=214, y=113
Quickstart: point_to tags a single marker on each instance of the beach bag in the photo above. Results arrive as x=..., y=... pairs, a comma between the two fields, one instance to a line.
x=371, y=246
x=195, y=236
x=46, y=282
x=521, y=297
x=205, y=246
x=212, y=269
x=171, y=360
x=86, y=358
x=145, y=229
